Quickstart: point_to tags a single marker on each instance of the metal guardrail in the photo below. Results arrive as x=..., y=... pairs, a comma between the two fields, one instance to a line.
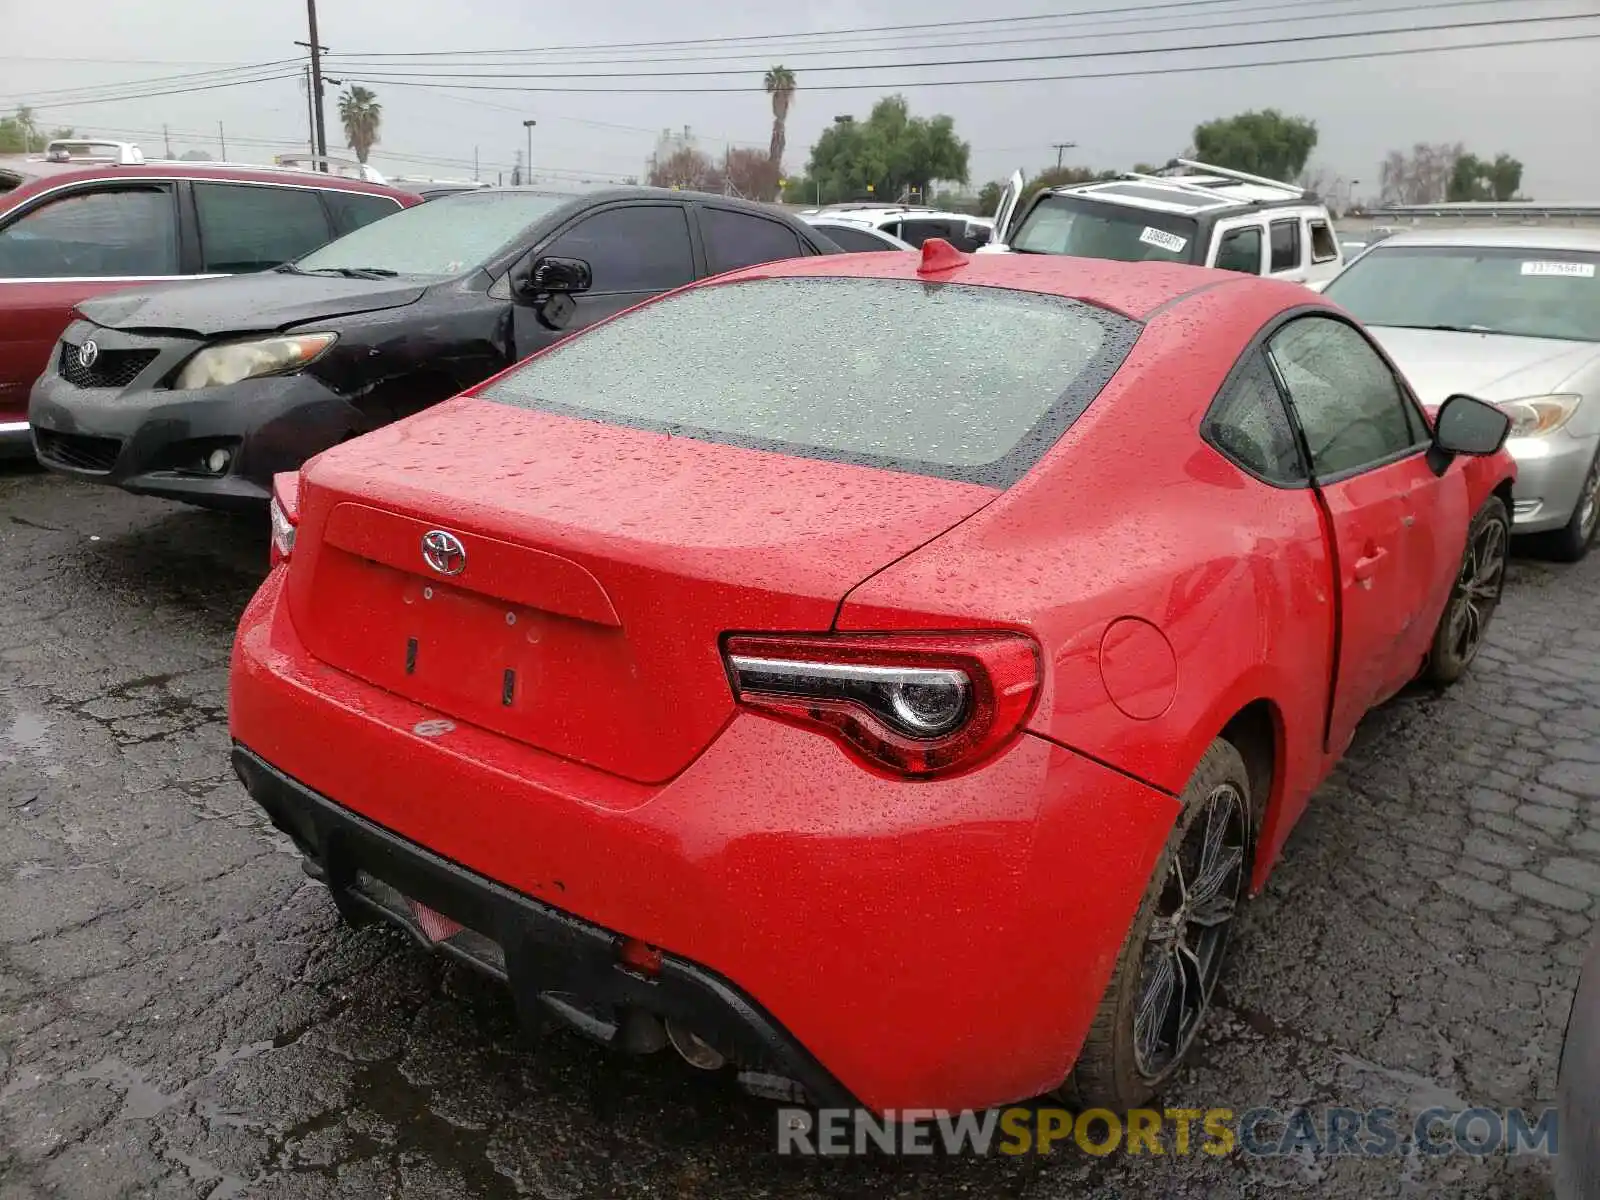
x=1511, y=210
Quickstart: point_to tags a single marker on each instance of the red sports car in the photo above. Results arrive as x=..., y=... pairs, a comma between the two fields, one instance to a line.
x=884, y=673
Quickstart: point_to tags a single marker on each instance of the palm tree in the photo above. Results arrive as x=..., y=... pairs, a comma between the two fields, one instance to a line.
x=361, y=115
x=780, y=86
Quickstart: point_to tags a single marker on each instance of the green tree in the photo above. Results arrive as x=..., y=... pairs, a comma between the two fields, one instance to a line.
x=888, y=154
x=20, y=134
x=1063, y=177
x=361, y=115
x=1262, y=143
x=1473, y=178
x=780, y=85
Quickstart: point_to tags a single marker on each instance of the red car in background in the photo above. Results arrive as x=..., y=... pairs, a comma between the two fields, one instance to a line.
x=885, y=673
x=91, y=217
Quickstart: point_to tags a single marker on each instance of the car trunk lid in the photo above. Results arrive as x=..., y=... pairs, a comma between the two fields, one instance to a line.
x=600, y=567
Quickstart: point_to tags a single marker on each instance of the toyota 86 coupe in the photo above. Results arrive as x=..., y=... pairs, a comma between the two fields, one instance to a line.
x=883, y=675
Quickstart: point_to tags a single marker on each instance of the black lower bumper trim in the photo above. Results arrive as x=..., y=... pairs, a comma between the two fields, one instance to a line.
x=556, y=964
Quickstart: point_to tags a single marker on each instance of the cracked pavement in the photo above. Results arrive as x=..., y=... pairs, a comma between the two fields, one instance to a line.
x=183, y=1016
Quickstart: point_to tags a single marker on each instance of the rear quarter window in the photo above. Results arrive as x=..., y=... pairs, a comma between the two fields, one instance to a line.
x=352, y=210
x=967, y=383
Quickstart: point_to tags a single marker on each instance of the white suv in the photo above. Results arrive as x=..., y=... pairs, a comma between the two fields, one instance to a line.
x=1211, y=217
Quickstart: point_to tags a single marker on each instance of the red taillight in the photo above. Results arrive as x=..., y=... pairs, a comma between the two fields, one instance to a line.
x=284, y=513
x=918, y=704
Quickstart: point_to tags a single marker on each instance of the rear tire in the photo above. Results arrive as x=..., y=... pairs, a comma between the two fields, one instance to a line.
x=1473, y=597
x=1161, y=990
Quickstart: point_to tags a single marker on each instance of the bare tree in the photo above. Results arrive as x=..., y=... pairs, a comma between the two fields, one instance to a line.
x=749, y=173
x=1321, y=180
x=687, y=170
x=1420, y=177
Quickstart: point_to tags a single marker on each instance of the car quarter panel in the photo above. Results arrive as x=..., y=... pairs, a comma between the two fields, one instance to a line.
x=1168, y=588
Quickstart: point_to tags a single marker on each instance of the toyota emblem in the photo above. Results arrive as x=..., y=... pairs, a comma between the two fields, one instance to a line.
x=444, y=552
x=88, y=353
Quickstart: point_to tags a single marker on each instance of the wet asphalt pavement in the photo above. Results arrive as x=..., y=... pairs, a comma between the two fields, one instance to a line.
x=182, y=1015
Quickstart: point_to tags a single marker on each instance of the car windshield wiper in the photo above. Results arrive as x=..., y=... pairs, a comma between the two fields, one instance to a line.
x=351, y=272
x=1450, y=328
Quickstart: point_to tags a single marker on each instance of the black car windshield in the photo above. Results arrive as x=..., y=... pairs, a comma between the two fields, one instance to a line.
x=970, y=383
x=443, y=237
x=1481, y=289
x=1095, y=229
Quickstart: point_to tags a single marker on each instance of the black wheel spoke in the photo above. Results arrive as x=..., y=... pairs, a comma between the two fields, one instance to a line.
x=1191, y=992
x=1155, y=1008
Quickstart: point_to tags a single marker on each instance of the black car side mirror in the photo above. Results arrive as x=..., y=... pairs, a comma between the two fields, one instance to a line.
x=1467, y=425
x=548, y=276
x=550, y=284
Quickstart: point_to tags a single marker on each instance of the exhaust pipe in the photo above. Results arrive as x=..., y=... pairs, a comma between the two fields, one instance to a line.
x=693, y=1049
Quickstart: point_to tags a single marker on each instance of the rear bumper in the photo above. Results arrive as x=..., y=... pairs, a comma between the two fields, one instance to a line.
x=941, y=944
x=555, y=964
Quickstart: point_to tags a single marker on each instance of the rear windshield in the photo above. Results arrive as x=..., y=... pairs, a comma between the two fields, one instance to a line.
x=1524, y=293
x=1095, y=229
x=968, y=383
x=449, y=236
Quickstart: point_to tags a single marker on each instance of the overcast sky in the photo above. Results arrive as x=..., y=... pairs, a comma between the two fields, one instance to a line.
x=1540, y=103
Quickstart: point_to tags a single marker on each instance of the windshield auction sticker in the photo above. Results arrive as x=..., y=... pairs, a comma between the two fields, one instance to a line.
x=1174, y=243
x=1571, y=270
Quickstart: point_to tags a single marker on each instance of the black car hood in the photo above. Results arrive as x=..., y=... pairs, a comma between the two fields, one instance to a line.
x=266, y=301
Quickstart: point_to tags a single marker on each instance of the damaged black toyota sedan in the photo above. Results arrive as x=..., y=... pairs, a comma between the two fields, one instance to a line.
x=203, y=391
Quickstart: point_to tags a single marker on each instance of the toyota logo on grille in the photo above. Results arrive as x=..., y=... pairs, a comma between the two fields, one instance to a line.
x=88, y=354
x=444, y=552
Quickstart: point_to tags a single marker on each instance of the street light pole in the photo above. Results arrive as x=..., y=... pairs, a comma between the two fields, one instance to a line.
x=528, y=125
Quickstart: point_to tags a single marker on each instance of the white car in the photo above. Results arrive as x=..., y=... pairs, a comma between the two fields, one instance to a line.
x=1211, y=217
x=911, y=224
x=853, y=236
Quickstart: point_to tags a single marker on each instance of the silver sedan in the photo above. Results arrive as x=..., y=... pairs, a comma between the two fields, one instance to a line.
x=1511, y=316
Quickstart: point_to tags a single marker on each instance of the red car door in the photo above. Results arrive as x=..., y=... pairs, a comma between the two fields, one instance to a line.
x=1367, y=455
x=85, y=241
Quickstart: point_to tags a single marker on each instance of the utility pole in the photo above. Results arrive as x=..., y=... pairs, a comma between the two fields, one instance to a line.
x=319, y=134
x=1061, y=148
x=528, y=125
x=474, y=164
x=223, y=138
x=166, y=142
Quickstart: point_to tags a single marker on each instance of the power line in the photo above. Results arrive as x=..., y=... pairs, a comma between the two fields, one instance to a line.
x=1137, y=73
x=1321, y=13
x=169, y=92
x=802, y=34
x=1121, y=52
x=196, y=76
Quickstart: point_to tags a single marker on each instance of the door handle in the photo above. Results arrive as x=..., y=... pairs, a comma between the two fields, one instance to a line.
x=1367, y=565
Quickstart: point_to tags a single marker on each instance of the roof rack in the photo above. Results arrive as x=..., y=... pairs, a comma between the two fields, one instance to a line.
x=1238, y=176
x=348, y=168
x=66, y=150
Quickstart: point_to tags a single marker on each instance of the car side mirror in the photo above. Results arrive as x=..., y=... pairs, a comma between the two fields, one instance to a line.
x=549, y=285
x=549, y=276
x=1467, y=425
